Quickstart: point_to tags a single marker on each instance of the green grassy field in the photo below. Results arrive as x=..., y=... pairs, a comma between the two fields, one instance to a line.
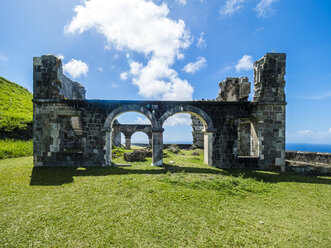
x=11, y=148
x=15, y=106
x=186, y=204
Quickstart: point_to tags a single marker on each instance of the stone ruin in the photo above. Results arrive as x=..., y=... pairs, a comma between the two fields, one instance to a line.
x=128, y=130
x=72, y=131
x=231, y=90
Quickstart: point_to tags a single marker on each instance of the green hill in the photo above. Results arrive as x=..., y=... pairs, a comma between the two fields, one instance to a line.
x=16, y=110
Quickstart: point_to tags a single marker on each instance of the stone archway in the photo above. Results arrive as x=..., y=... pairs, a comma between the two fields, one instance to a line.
x=109, y=122
x=208, y=131
x=129, y=129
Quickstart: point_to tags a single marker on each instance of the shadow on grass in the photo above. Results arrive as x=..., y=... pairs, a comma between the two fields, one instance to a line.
x=59, y=175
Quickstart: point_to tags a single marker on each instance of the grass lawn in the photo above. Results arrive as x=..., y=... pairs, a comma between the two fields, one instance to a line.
x=15, y=106
x=12, y=148
x=186, y=204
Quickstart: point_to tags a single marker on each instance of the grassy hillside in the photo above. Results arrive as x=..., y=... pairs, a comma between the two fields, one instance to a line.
x=16, y=114
x=16, y=109
x=185, y=204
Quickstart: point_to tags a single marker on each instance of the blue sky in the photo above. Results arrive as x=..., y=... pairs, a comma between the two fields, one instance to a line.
x=176, y=49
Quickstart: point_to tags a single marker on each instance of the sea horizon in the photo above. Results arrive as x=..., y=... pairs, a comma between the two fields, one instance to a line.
x=304, y=147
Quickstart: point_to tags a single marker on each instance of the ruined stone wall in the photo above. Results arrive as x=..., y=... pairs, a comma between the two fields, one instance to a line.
x=49, y=82
x=235, y=89
x=314, y=158
x=71, y=132
x=53, y=120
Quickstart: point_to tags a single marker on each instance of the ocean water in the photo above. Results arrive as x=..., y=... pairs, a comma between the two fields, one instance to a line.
x=308, y=147
x=289, y=146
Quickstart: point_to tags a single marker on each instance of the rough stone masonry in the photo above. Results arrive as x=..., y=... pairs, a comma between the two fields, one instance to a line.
x=72, y=131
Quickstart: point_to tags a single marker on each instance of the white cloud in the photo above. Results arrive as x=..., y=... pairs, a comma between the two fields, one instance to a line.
x=196, y=66
x=181, y=2
x=179, y=119
x=100, y=69
x=264, y=9
x=311, y=137
x=145, y=28
x=225, y=69
x=60, y=56
x=135, y=67
x=124, y=76
x=76, y=68
x=259, y=29
x=245, y=63
x=304, y=133
x=141, y=120
x=201, y=41
x=230, y=7
x=114, y=86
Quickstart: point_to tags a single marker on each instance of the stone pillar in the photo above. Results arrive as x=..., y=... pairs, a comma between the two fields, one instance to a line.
x=116, y=136
x=108, y=146
x=157, y=146
x=150, y=140
x=127, y=142
x=197, y=133
x=208, y=147
x=269, y=96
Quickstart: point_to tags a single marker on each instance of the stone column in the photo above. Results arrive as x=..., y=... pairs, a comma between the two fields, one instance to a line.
x=157, y=146
x=150, y=140
x=127, y=142
x=208, y=146
x=269, y=96
x=108, y=146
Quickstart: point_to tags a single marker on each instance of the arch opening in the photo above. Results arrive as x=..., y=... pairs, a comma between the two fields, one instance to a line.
x=124, y=120
x=208, y=130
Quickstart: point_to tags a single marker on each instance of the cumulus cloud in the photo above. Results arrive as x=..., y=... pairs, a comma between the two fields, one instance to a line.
x=245, y=63
x=124, y=76
x=76, y=68
x=195, y=66
x=145, y=28
x=179, y=119
x=230, y=7
x=201, y=41
x=264, y=9
x=100, y=69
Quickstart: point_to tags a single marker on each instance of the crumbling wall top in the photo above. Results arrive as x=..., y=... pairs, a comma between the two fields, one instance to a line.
x=269, y=82
x=234, y=89
x=49, y=82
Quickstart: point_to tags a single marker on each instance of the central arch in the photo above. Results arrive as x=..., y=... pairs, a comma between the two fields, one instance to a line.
x=107, y=127
x=207, y=122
